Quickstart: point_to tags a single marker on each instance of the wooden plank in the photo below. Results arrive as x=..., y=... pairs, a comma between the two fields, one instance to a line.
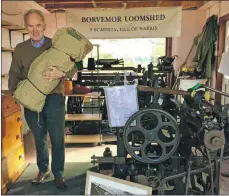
x=168, y=46
x=13, y=27
x=83, y=138
x=109, y=138
x=85, y=70
x=44, y=2
x=23, y=31
x=5, y=23
x=4, y=49
x=76, y=117
x=103, y=71
x=90, y=1
x=84, y=95
x=159, y=3
x=119, y=4
x=10, y=26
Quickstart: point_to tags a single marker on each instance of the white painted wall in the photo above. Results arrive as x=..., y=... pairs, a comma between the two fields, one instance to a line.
x=6, y=61
x=225, y=100
x=53, y=22
x=192, y=24
x=16, y=38
x=5, y=38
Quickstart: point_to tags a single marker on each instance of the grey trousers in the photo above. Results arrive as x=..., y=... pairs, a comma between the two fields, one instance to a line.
x=51, y=120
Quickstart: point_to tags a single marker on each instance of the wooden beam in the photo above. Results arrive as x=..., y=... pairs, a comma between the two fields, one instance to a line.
x=4, y=49
x=159, y=3
x=80, y=117
x=119, y=4
x=106, y=1
x=10, y=26
x=97, y=1
x=101, y=5
x=171, y=3
x=168, y=46
x=208, y=4
x=5, y=23
x=83, y=138
x=192, y=4
x=94, y=3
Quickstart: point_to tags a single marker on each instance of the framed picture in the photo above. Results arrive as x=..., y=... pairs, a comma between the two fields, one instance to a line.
x=99, y=184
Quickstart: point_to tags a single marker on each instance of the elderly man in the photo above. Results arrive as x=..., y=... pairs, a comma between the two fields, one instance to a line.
x=52, y=115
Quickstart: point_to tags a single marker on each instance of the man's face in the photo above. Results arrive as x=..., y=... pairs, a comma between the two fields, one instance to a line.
x=35, y=26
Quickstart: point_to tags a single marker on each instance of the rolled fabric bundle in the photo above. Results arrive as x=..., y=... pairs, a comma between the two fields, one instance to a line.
x=68, y=47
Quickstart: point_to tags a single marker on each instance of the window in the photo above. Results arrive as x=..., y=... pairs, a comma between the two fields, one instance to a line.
x=132, y=51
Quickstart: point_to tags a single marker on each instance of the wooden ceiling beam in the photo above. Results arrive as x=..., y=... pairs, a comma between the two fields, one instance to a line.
x=89, y=1
x=159, y=3
x=190, y=3
x=170, y=3
x=99, y=5
x=116, y=5
x=61, y=4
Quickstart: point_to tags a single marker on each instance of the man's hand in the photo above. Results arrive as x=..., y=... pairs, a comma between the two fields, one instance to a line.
x=52, y=74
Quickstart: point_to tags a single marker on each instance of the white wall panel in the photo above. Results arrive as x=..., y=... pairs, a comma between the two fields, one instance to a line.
x=26, y=37
x=5, y=83
x=6, y=62
x=225, y=87
x=16, y=38
x=5, y=38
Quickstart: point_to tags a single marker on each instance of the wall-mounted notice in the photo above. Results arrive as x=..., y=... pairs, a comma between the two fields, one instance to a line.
x=126, y=23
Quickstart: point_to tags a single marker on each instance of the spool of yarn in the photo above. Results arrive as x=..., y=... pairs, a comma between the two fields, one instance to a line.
x=67, y=87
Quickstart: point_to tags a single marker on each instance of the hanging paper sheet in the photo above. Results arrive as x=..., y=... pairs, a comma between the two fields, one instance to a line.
x=122, y=103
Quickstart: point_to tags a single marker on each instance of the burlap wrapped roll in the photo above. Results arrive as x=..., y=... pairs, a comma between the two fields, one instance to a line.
x=68, y=47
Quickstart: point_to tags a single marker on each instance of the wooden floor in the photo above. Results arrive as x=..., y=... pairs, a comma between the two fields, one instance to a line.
x=83, y=153
x=73, y=152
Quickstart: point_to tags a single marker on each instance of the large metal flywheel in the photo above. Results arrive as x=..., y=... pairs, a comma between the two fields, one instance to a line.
x=151, y=136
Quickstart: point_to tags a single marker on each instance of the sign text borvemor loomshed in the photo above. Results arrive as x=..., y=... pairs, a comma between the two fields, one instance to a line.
x=126, y=23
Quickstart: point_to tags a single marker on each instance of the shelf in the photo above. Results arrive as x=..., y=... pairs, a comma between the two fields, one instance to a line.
x=84, y=95
x=85, y=70
x=4, y=49
x=23, y=31
x=104, y=70
x=83, y=138
x=82, y=117
x=13, y=27
x=10, y=26
x=109, y=138
x=5, y=23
